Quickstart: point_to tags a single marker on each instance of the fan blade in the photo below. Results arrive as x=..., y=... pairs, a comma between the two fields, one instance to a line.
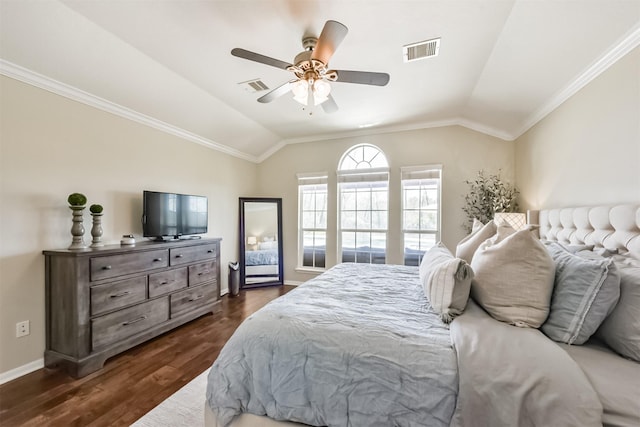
x=252, y=56
x=329, y=106
x=276, y=93
x=362, y=77
x=331, y=36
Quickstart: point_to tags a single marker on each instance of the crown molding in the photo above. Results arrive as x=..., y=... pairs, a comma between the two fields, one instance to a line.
x=32, y=78
x=629, y=42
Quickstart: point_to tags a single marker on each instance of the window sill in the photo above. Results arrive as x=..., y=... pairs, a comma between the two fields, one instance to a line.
x=310, y=270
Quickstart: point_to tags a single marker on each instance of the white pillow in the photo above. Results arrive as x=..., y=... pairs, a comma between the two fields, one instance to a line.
x=268, y=245
x=467, y=246
x=446, y=281
x=514, y=279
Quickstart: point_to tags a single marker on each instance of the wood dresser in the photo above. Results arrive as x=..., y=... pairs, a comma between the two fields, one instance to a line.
x=100, y=302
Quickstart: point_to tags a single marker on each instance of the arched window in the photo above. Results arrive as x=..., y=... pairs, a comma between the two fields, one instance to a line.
x=363, y=188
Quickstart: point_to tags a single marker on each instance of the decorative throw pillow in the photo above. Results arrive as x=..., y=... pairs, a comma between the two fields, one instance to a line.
x=514, y=279
x=446, y=281
x=621, y=329
x=467, y=246
x=586, y=290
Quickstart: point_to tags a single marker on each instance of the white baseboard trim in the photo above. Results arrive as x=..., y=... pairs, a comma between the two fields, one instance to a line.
x=292, y=282
x=5, y=377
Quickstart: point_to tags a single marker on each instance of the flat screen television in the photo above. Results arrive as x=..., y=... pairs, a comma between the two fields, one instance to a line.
x=173, y=215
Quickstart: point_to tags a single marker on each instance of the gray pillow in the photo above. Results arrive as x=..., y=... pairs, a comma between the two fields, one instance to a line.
x=621, y=329
x=513, y=278
x=586, y=290
x=468, y=246
x=446, y=281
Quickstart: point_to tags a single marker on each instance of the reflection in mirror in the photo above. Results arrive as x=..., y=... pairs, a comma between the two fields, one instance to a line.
x=260, y=242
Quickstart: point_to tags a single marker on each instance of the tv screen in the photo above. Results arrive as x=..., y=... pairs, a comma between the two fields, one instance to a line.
x=171, y=214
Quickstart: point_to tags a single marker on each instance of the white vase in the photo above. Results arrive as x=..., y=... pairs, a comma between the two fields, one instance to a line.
x=96, y=230
x=77, y=229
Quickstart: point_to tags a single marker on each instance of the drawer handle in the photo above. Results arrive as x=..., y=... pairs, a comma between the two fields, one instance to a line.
x=121, y=294
x=164, y=283
x=210, y=251
x=196, y=298
x=204, y=272
x=179, y=256
x=139, y=319
x=157, y=259
x=106, y=267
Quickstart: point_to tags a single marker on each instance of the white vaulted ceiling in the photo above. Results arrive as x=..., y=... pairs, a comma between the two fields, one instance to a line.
x=502, y=66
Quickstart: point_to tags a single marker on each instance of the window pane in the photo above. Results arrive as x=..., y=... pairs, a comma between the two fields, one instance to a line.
x=348, y=220
x=379, y=240
x=363, y=240
x=363, y=220
x=348, y=202
x=348, y=239
x=308, y=200
x=379, y=220
x=364, y=199
x=379, y=199
x=411, y=220
x=321, y=201
x=307, y=239
x=428, y=220
x=411, y=198
x=429, y=199
x=308, y=220
x=321, y=219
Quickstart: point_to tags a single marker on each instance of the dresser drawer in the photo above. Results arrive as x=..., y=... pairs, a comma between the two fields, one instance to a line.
x=117, y=294
x=180, y=256
x=203, y=272
x=121, y=324
x=119, y=265
x=187, y=300
x=167, y=281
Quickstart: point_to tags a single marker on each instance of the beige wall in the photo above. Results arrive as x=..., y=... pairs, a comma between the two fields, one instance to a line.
x=51, y=147
x=587, y=151
x=462, y=153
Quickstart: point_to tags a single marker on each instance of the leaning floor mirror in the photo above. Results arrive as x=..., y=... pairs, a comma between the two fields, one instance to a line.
x=260, y=242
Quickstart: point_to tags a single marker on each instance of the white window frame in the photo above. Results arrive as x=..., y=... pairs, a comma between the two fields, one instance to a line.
x=414, y=173
x=306, y=180
x=364, y=174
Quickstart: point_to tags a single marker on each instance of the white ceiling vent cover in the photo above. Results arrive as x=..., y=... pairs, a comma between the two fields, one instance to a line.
x=255, y=85
x=421, y=50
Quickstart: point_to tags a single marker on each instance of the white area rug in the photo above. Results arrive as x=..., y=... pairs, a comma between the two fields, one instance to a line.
x=184, y=408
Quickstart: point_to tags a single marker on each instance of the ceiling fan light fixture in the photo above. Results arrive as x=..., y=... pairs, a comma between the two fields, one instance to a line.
x=300, y=89
x=321, y=91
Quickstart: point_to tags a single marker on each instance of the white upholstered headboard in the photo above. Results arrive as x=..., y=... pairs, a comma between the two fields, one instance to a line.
x=611, y=227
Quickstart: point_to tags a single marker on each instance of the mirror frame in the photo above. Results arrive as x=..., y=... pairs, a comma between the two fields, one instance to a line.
x=243, y=238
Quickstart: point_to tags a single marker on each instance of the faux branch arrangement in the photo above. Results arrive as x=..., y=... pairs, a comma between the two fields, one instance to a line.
x=488, y=194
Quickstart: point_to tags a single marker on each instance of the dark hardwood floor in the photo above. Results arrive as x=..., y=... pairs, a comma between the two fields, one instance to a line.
x=132, y=383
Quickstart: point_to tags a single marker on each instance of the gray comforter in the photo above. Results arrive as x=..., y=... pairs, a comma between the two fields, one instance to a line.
x=365, y=352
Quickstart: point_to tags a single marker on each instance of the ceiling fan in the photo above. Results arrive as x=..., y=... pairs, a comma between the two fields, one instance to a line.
x=311, y=69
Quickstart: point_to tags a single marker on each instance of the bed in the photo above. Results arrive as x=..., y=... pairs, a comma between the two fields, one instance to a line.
x=362, y=345
x=262, y=262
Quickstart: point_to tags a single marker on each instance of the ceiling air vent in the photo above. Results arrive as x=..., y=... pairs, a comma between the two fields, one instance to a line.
x=255, y=85
x=421, y=50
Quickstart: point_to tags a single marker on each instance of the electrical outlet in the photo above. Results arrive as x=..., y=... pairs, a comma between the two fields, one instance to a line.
x=22, y=329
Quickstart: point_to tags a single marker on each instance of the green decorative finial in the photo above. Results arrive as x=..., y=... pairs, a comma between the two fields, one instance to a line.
x=95, y=208
x=77, y=199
